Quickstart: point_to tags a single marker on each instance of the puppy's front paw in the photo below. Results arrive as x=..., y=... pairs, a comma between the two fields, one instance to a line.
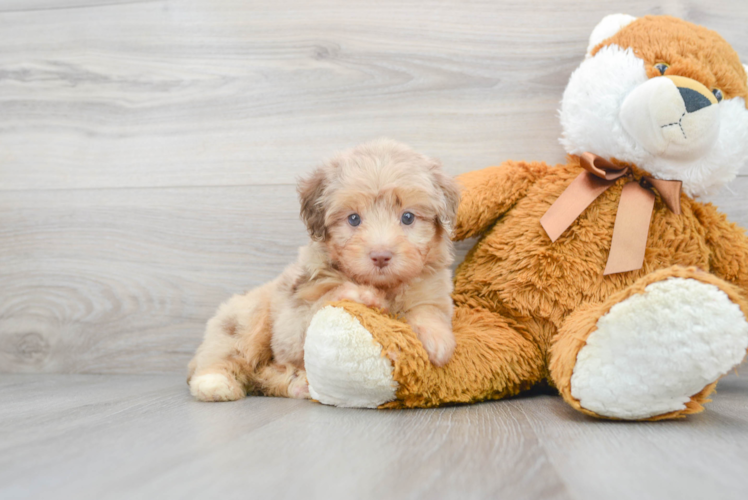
x=216, y=387
x=366, y=295
x=436, y=336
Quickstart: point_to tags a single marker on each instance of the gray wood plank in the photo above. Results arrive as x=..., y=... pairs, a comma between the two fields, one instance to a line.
x=124, y=280
x=135, y=436
x=38, y=5
x=703, y=456
x=227, y=92
x=733, y=200
x=143, y=437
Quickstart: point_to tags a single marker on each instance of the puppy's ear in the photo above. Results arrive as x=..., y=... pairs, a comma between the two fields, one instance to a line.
x=311, y=190
x=449, y=199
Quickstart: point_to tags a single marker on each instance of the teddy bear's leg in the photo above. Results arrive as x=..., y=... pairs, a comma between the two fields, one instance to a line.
x=654, y=350
x=357, y=357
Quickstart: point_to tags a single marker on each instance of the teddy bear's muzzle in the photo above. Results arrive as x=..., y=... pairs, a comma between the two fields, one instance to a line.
x=672, y=117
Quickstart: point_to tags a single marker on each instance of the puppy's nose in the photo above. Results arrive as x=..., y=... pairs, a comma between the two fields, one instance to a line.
x=381, y=259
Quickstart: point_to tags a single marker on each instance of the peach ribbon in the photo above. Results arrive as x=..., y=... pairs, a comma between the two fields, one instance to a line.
x=634, y=210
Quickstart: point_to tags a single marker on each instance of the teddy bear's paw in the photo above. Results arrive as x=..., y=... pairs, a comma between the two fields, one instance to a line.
x=652, y=352
x=216, y=387
x=344, y=365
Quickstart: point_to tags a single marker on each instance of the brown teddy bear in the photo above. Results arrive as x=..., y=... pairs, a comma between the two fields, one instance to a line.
x=603, y=276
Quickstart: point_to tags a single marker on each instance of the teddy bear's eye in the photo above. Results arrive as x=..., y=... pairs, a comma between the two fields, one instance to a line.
x=354, y=220
x=662, y=67
x=718, y=94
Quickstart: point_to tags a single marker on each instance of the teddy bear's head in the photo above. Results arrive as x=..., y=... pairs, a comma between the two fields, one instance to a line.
x=664, y=94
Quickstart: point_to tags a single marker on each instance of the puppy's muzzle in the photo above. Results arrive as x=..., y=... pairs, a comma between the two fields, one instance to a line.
x=381, y=259
x=672, y=116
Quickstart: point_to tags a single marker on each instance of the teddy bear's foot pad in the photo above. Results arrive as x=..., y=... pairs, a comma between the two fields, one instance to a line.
x=344, y=365
x=653, y=351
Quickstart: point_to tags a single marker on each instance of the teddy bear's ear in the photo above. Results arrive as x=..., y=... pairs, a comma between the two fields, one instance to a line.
x=609, y=26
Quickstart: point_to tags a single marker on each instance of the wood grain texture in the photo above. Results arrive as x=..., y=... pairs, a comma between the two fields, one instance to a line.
x=123, y=280
x=134, y=436
x=148, y=149
x=703, y=456
x=225, y=92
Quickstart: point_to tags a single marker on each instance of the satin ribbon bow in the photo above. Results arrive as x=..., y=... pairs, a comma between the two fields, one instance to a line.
x=634, y=209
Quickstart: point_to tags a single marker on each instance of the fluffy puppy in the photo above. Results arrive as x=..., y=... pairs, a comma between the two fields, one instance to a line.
x=379, y=217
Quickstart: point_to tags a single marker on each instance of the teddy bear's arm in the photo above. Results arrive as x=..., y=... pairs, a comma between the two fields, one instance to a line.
x=489, y=193
x=728, y=244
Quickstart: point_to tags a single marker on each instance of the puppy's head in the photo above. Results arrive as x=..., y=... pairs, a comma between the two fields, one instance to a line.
x=382, y=211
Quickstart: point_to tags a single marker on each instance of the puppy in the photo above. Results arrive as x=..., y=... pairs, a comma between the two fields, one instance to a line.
x=379, y=217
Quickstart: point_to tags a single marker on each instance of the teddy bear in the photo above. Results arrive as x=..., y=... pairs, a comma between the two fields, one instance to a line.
x=603, y=277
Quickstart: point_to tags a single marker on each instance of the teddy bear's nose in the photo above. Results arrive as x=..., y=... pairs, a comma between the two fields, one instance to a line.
x=693, y=100
x=695, y=95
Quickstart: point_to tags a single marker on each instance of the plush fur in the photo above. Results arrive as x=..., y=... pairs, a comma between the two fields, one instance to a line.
x=646, y=344
x=380, y=258
x=336, y=345
x=612, y=373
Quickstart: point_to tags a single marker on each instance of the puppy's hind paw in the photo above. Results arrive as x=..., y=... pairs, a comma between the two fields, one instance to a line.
x=216, y=387
x=299, y=387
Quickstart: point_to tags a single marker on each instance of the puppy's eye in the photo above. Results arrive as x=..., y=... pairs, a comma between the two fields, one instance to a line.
x=354, y=220
x=662, y=67
x=718, y=94
x=408, y=218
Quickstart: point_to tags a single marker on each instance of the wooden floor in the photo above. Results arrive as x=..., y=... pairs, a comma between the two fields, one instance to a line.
x=142, y=436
